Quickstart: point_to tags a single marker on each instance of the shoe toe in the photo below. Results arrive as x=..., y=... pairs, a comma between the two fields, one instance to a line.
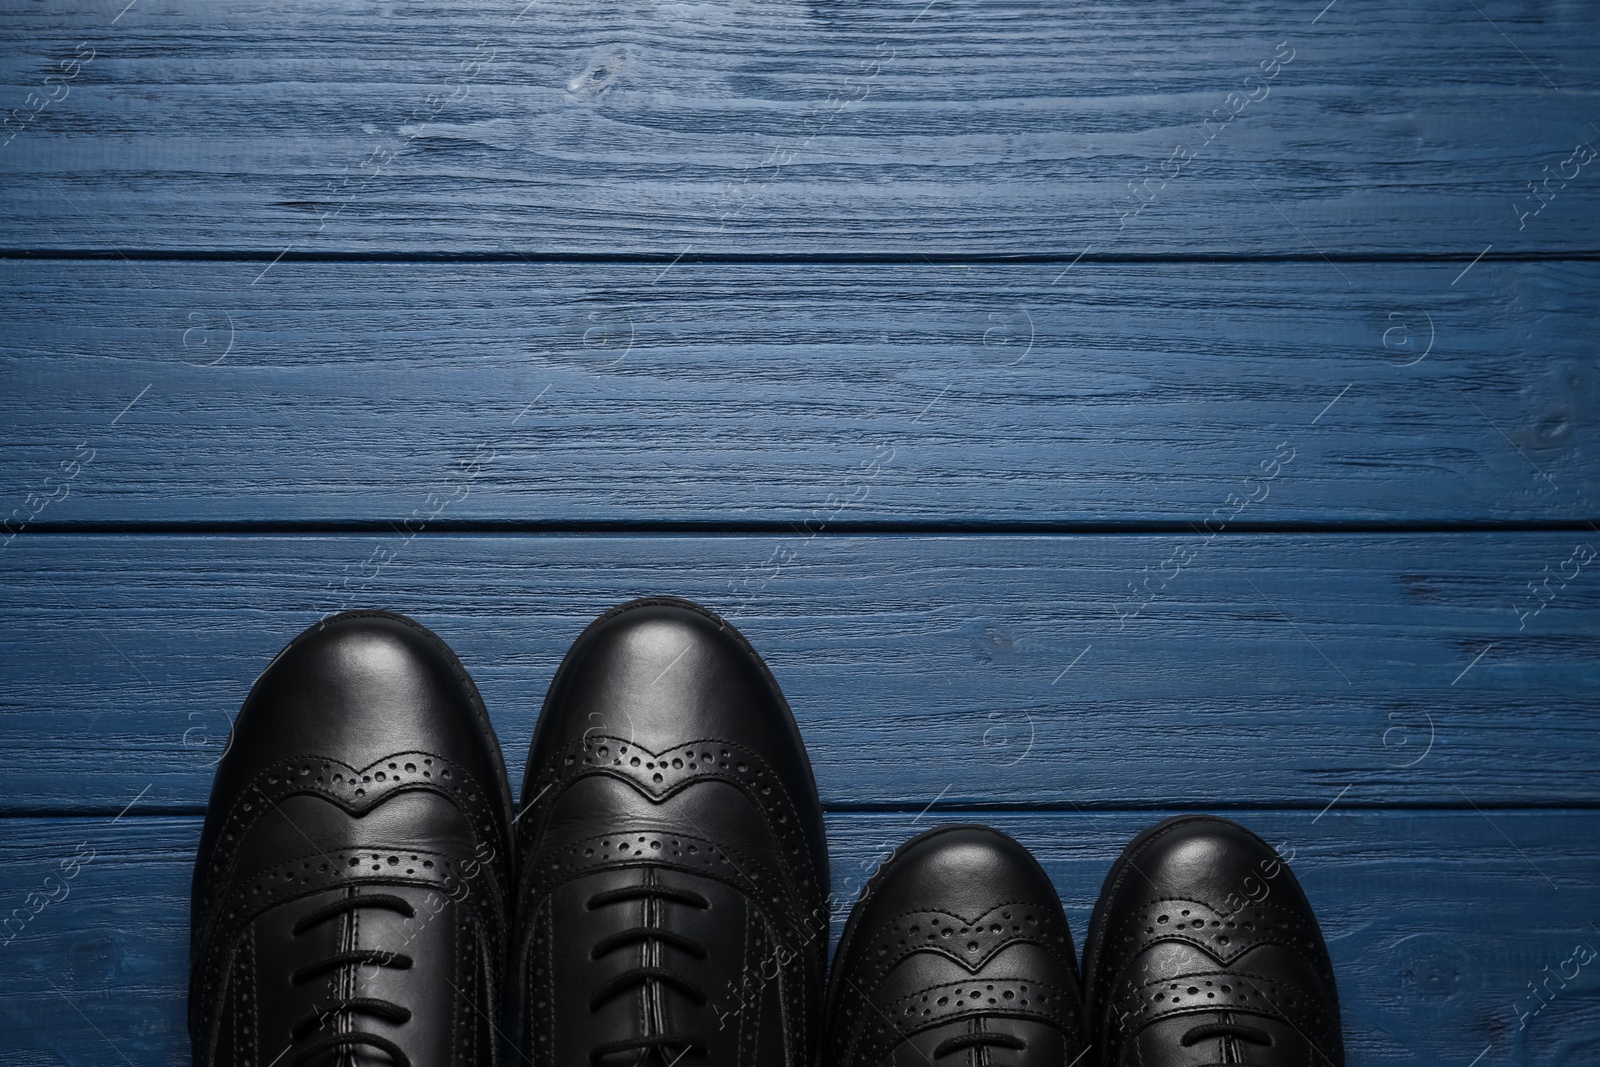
x=1206, y=858
x=965, y=870
x=960, y=933
x=358, y=687
x=659, y=672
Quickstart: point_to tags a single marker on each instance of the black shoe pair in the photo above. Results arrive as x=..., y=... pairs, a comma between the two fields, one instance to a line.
x=355, y=890
x=1202, y=950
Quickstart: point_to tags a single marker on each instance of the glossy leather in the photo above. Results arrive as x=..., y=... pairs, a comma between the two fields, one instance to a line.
x=672, y=895
x=957, y=955
x=1203, y=950
x=354, y=869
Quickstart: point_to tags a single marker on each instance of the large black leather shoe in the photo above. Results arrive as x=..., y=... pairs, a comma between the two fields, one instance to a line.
x=672, y=891
x=1203, y=950
x=956, y=955
x=353, y=881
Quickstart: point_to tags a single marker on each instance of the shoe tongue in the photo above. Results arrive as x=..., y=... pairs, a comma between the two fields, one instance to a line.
x=409, y=956
x=307, y=846
x=707, y=807
x=593, y=950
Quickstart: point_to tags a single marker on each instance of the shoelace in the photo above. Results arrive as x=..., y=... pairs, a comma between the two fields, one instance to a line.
x=369, y=1006
x=1238, y=1030
x=966, y=1041
x=638, y=976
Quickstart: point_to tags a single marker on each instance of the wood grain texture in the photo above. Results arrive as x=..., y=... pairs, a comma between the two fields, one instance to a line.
x=968, y=127
x=99, y=977
x=823, y=394
x=983, y=671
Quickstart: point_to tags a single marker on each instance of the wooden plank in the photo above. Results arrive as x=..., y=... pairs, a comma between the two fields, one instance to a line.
x=777, y=393
x=1436, y=923
x=973, y=127
x=984, y=671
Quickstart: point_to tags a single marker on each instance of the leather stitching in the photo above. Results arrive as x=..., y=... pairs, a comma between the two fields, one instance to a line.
x=752, y=952
x=462, y=994
x=661, y=775
x=869, y=1042
x=320, y=872
x=368, y=787
x=653, y=848
x=1218, y=930
x=1216, y=991
x=1051, y=935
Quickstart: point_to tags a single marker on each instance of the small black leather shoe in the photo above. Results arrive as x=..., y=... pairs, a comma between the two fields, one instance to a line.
x=1203, y=950
x=352, y=886
x=956, y=955
x=672, y=892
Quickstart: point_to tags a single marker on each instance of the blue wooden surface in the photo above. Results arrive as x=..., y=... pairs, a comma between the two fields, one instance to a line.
x=596, y=393
x=960, y=128
x=1080, y=442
